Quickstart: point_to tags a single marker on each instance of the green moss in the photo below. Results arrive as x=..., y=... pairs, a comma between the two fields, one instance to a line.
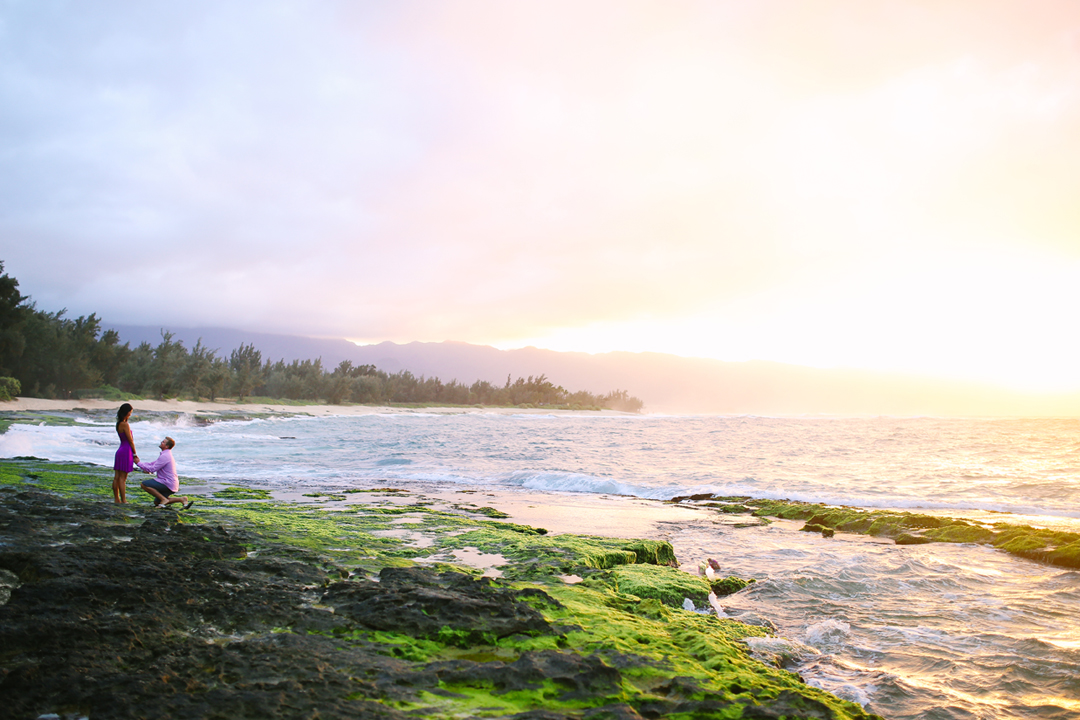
x=1067, y=556
x=659, y=582
x=67, y=479
x=961, y=533
x=536, y=556
x=375, y=490
x=242, y=493
x=1049, y=546
x=491, y=512
x=908, y=539
x=653, y=552
x=1053, y=547
x=521, y=529
x=27, y=417
x=730, y=585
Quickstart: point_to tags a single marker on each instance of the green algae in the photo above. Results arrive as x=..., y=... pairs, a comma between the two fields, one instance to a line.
x=658, y=652
x=488, y=511
x=961, y=533
x=653, y=552
x=67, y=479
x=666, y=584
x=543, y=557
x=730, y=585
x=27, y=417
x=673, y=642
x=242, y=493
x=1038, y=544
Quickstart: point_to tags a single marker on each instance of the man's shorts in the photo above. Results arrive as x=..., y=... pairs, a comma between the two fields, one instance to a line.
x=155, y=485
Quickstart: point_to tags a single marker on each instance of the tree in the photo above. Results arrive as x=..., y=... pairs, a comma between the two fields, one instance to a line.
x=195, y=374
x=13, y=312
x=246, y=365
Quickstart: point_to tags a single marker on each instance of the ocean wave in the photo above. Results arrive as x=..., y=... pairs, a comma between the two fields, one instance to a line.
x=826, y=632
x=579, y=483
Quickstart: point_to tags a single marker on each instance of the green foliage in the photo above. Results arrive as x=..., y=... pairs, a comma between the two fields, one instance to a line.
x=9, y=388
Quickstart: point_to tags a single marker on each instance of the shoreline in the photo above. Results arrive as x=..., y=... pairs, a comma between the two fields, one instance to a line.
x=387, y=610
x=193, y=407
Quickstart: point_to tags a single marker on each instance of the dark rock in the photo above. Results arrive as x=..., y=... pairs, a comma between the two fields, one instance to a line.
x=423, y=603
x=789, y=705
x=621, y=711
x=693, y=498
x=577, y=676
x=907, y=539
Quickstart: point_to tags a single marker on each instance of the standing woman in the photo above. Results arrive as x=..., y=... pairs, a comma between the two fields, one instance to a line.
x=126, y=457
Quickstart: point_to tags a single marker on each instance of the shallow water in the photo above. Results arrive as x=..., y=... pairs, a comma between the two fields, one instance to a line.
x=924, y=631
x=930, y=631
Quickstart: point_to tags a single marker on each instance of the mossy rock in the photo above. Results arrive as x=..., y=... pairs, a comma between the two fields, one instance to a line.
x=242, y=493
x=961, y=533
x=906, y=539
x=730, y=585
x=1068, y=556
x=657, y=582
x=653, y=552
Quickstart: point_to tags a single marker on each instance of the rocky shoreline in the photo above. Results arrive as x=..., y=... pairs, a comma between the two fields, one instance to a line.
x=129, y=612
x=1042, y=545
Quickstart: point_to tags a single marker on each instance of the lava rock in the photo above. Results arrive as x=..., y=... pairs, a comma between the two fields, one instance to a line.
x=423, y=603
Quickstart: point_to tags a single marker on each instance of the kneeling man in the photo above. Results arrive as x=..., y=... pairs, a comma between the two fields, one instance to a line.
x=167, y=481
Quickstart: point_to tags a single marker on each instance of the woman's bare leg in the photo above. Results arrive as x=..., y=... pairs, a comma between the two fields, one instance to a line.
x=119, y=487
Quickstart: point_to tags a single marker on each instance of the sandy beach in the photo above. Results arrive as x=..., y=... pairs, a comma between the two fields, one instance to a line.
x=24, y=404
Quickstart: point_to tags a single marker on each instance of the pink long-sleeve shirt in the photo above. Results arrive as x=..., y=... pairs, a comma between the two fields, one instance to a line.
x=165, y=469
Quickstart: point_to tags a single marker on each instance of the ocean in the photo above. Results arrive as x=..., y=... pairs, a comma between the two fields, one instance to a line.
x=932, y=631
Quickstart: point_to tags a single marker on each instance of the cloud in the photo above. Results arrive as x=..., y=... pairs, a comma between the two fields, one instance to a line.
x=525, y=172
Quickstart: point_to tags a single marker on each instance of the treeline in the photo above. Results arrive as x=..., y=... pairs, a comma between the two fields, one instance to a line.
x=52, y=356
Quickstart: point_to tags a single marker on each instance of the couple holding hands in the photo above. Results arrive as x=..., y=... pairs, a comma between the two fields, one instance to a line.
x=166, y=483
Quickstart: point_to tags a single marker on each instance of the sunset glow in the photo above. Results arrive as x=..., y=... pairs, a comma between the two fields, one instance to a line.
x=885, y=186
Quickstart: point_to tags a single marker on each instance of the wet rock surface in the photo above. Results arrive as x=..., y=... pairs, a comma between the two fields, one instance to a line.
x=127, y=612
x=420, y=603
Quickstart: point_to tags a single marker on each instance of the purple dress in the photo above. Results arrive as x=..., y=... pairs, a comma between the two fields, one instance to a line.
x=125, y=459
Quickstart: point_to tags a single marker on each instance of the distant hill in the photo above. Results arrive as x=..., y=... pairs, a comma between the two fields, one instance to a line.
x=666, y=383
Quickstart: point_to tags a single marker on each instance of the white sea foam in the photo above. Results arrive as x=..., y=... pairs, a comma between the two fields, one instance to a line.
x=826, y=632
x=779, y=650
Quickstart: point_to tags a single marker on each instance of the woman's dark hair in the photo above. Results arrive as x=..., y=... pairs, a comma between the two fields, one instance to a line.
x=123, y=412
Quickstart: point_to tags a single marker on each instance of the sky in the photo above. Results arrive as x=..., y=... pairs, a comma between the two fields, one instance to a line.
x=878, y=185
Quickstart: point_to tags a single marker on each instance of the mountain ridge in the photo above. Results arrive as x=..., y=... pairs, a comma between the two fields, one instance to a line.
x=666, y=383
